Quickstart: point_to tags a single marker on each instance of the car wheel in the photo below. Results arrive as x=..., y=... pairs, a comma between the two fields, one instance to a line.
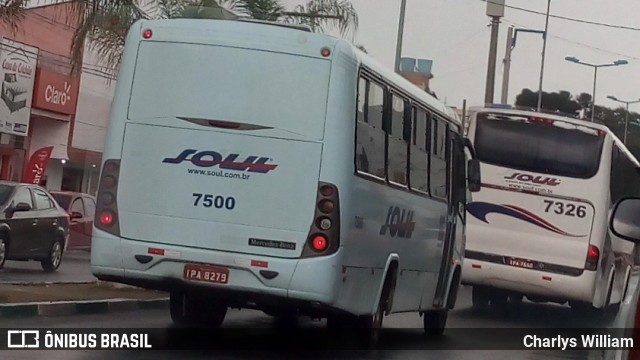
x=53, y=260
x=4, y=248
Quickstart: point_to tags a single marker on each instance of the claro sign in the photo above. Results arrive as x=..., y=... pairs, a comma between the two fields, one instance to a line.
x=56, y=92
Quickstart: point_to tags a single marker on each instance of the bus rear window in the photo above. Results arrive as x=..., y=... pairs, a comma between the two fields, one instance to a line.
x=538, y=145
x=270, y=89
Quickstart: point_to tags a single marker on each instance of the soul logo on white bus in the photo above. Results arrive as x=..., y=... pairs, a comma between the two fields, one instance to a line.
x=540, y=180
x=209, y=158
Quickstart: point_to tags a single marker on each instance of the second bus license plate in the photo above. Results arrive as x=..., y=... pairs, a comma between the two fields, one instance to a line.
x=520, y=263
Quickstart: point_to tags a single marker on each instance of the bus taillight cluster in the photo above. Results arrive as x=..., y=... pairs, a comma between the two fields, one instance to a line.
x=106, y=206
x=593, y=256
x=324, y=235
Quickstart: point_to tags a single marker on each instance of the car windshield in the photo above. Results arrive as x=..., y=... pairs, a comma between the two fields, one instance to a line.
x=63, y=200
x=5, y=193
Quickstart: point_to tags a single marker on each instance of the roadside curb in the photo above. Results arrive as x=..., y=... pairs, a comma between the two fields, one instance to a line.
x=40, y=283
x=65, y=308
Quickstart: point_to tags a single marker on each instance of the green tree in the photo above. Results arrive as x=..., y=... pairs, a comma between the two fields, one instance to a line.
x=564, y=102
x=12, y=13
x=561, y=101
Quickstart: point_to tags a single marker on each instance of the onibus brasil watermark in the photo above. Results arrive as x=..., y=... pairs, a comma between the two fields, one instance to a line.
x=41, y=339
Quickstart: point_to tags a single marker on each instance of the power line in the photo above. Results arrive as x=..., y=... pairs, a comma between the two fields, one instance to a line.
x=623, y=27
x=577, y=42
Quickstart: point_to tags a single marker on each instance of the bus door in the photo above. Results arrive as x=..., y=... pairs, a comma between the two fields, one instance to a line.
x=454, y=155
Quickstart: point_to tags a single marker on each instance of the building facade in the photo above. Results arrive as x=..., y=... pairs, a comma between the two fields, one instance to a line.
x=45, y=104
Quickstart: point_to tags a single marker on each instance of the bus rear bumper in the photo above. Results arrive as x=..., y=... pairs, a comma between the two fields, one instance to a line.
x=532, y=283
x=297, y=282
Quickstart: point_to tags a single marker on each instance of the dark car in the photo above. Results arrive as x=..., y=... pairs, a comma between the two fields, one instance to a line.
x=81, y=208
x=32, y=225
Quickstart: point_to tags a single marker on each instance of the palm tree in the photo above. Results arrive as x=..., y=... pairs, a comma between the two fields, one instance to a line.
x=104, y=23
x=12, y=13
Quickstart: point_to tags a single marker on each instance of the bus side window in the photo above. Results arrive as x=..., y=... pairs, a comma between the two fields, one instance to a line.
x=397, y=142
x=362, y=99
x=438, y=166
x=370, y=147
x=419, y=168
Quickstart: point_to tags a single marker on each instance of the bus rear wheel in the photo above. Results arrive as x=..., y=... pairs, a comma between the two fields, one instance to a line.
x=191, y=310
x=480, y=297
x=435, y=322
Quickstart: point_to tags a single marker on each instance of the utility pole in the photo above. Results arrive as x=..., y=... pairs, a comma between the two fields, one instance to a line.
x=507, y=66
x=544, y=50
x=495, y=9
x=403, y=7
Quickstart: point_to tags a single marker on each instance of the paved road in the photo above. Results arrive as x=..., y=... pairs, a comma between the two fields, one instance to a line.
x=75, y=267
x=403, y=330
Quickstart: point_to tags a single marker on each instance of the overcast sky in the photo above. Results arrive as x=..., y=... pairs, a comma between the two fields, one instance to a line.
x=455, y=35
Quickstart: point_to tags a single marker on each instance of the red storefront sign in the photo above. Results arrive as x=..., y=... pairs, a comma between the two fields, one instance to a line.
x=37, y=165
x=56, y=92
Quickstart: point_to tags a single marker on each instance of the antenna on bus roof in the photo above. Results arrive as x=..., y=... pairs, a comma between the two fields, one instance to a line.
x=306, y=28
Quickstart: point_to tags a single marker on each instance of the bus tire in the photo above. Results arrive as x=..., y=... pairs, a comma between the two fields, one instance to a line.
x=499, y=299
x=191, y=310
x=583, y=308
x=434, y=322
x=480, y=297
x=370, y=325
x=515, y=299
x=285, y=320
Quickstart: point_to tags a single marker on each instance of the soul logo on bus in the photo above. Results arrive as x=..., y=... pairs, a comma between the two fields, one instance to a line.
x=210, y=158
x=534, y=179
x=399, y=223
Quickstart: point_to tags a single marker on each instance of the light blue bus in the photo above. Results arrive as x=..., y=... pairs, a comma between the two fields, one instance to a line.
x=249, y=165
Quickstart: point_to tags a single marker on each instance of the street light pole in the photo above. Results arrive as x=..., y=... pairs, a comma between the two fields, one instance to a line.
x=403, y=7
x=626, y=116
x=626, y=125
x=593, y=101
x=595, y=76
x=495, y=10
x=544, y=50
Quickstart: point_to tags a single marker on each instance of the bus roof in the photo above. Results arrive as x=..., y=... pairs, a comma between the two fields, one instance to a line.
x=568, y=119
x=339, y=45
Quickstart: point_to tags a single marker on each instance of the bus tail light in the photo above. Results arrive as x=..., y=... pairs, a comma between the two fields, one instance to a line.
x=593, y=256
x=319, y=243
x=106, y=217
x=324, y=234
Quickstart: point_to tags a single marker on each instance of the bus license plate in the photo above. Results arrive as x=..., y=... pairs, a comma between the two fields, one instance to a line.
x=206, y=273
x=521, y=263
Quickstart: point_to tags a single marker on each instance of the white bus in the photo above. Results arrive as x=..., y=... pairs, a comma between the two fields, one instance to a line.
x=538, y=226
x=249, y=165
